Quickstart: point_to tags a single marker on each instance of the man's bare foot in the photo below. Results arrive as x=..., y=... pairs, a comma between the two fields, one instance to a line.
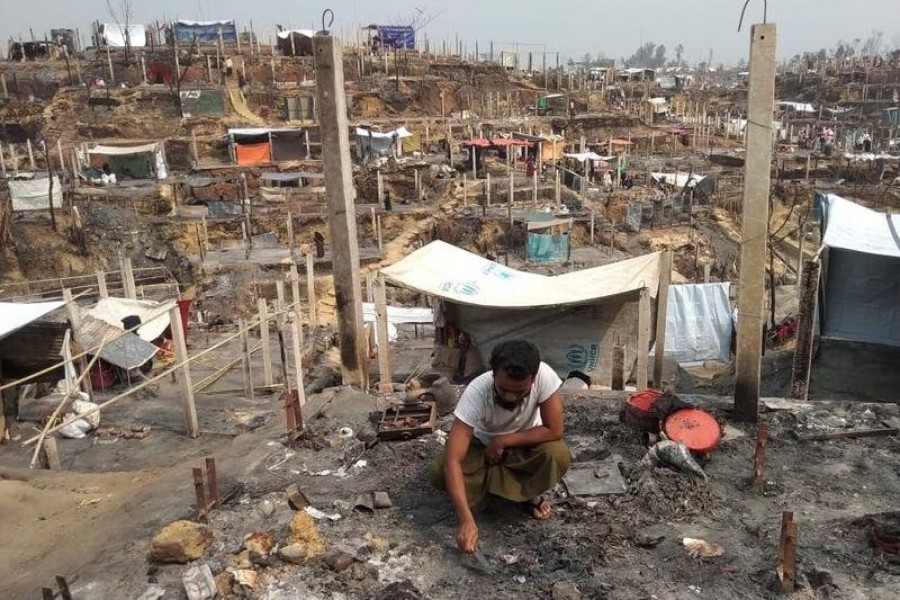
x=540, y=508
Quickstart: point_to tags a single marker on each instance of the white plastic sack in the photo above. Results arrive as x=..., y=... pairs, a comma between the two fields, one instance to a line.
x=75, y=430
x=84, y=406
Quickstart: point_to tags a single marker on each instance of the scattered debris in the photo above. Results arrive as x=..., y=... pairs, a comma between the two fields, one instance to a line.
x=303, y=532
x=595, y=478
x=317, y=514
x=702, y=549
x=296, y=499
x=565, y=590
x=675, y=455
x=381, y=500
x=199, y=583
x=407, y=421
x=180, y=542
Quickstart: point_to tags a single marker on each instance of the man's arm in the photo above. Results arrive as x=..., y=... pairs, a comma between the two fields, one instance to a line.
x=551, y=430
x=457, y=446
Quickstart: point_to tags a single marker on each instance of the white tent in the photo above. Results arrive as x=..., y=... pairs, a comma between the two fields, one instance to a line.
x=155, y=149
x=34, y=194
x=114, y=35
x=154, y=315
x=861, y=288
x=574, y=318
x=698, y=323
x=14, y=315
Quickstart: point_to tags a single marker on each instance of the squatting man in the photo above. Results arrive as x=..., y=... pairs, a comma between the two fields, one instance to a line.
x=506, y=439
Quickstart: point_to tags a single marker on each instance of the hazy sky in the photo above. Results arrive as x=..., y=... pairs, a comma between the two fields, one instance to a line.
x=572, y=27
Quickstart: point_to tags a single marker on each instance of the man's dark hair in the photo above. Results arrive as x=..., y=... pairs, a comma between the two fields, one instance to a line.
x=520, y=359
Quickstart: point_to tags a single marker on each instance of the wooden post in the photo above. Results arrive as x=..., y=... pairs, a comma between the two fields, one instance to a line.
x=534, y=188
x=662, y=299
x=30, y=154
x=707, y=267
x=759, y=457
x=339, y=194
x=487, y=190
x=380, y=187
x=557, y=191
x=264, y=340
x=385, y=384
x=370, y=288
x=509, y=205
x=755, y=220
x=184, y=372
x=803, y=350
x=296, y=337
x=127, y=275
x=643, y=339
x=592, y=226
x=311, y=292
x=378, y=230
x=2, y=162
x=295, y=292
x=290, y=229
x=62, y=162
x=50, y=454
x=246, y=365
x=618, y=367
x=465, y=190
x=787, y=552
x=101, y=284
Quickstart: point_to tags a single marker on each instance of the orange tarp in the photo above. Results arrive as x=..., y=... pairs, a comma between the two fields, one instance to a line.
x=253, y=154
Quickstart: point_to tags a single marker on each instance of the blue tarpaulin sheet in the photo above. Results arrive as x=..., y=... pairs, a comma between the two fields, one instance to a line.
x=399, y=37
x=205, y=32
x=544, y=247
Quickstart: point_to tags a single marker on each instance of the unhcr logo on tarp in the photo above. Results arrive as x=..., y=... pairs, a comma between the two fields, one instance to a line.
x=582, y=357
x=465, y=288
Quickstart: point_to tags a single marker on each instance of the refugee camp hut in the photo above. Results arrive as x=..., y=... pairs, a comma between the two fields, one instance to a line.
x=261, y=145
x=144, y=161
x=857, y=307
x=31, y=339
x=295, y=42
x=574, y=318
x=114, y=35
x=553, y=105
x=391, y=37
x=204, y=32
x=32, y=193
x=547, y=148
x=548, y=238
x=374, y=144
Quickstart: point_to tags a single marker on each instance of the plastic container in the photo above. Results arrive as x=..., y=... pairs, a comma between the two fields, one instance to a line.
x=695, y=428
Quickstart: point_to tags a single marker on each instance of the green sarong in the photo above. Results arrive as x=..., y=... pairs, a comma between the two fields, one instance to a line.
x=523, y=474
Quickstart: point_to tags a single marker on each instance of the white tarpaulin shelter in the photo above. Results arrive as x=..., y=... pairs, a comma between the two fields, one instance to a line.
x=155, y=149
x=34, y=194
x=154, y=315
x=114, y=35
x=14, y=315
x=583, y=156
x=379, y=143
x=679, y=180
x=861, y=288
x=698, y=323
x=445, y=271
x=397, y=315
x=574, y=318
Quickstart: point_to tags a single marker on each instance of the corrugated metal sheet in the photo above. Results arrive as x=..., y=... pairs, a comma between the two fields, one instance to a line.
x=128, y=351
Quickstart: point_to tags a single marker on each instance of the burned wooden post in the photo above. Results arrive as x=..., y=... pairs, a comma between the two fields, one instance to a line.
x=311, y=292
x=643, y=341
x=264, y=340
x=754, y=228
x=184, y=372
x=803, y=349
x=385, y=383
x=787, y=552
x=759, y=457
x=662, y=300
x=246, y=365
x=64, y=592
x=618, y=367
x=50, y=454
x=206, y=489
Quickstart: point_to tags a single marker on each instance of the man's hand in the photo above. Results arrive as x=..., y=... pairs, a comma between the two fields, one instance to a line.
x=494, y=453
x=467, y=537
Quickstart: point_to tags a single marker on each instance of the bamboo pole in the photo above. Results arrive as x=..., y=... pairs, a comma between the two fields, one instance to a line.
x=150, y=381
x=75, y=388
x=264, y=340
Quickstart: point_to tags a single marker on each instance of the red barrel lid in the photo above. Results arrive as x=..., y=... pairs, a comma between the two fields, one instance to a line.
x=645, y=400
x=695, y=428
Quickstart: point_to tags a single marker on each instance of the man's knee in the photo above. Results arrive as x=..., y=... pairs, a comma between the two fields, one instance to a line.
x=436, y=473
x=557, y=452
